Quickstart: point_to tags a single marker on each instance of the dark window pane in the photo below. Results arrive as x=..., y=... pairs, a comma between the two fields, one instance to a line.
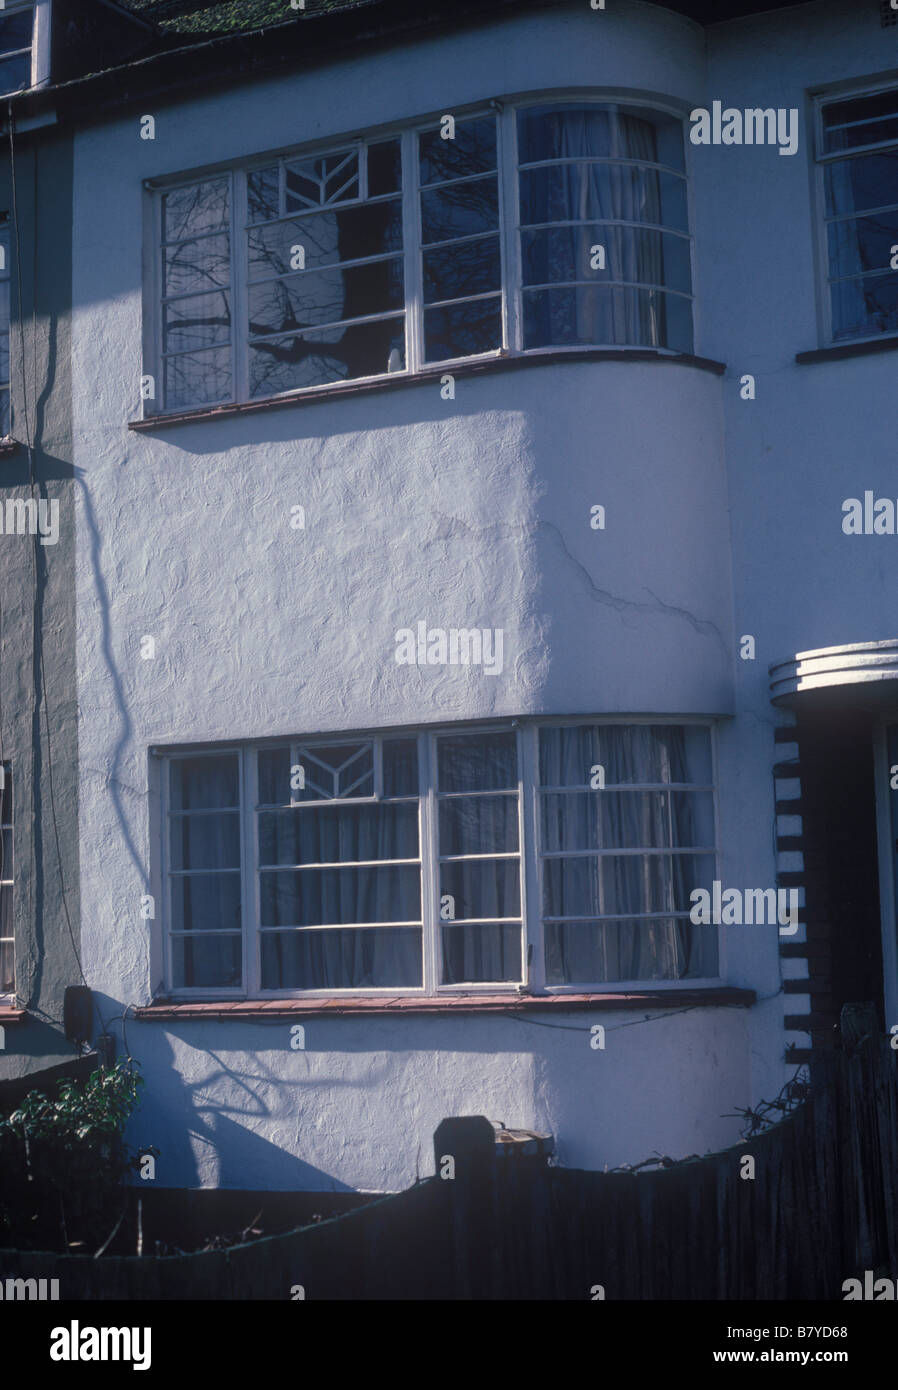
x=327, y=238
x=334, y=897
x=662, y=949
x=4, y=411
x=597, y=192
x=606, y=820
x=326, y=296
x=6, y=868
x=262, y=193
x=479, y=825
x=461, y=330
x=620, y=884
x=197, y=322
x=652, y=136
x=560, y=132
x=853, y=185
x=606, y=315
x=203, y=962
x=197, y=378
x=596, y=132
x=460, y=209
x=862, y=307
x=197, y=265
x=15, y=73
x=400, y=766
x=863, y=121
x=678, y=317
x=204, y=783
x=478, y=762
x=205, y=841
x=199, y=208
x=863, y=243
x=15, y=30
x=206, y=902
x=4, y=356
x=384, y=168
x=482, y=887
x=274, y=777
x=372, y=959
x=319, y=181
x=455, y=272
x=316, y=358
x=6, y=796
x=555, y=254
x=339, y=834
x=629, y=753
x=7, y=963
x=473, y=151
x=481, y=954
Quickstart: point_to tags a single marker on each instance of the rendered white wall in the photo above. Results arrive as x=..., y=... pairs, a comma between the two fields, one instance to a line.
x=472, y=512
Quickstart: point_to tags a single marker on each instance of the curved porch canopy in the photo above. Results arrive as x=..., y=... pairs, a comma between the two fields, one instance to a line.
x=858, y=673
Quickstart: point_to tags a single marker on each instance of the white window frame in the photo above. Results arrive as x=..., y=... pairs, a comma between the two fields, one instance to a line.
x=39, y=48
x=511, y=289
x=825, y=97
x=529, y=853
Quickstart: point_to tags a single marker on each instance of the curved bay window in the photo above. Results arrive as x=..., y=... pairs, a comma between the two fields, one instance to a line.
x=433, y=861
x=484, y=233
x=605, y=251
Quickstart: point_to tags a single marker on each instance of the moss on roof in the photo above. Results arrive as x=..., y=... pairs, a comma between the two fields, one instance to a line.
x=173, y=17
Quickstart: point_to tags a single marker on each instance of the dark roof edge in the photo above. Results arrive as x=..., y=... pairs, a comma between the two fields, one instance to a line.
x=315, y=39
x=302, y=43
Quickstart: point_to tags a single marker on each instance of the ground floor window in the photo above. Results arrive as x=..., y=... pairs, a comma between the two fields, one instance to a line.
x=560, y=854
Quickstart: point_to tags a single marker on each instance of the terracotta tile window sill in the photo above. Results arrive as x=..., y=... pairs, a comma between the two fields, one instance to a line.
x=10, y=1015
x=172, y=1010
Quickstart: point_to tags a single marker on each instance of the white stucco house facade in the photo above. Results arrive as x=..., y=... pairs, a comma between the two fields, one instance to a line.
x=466, y=577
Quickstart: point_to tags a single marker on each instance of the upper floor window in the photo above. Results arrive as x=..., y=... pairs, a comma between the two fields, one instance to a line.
x=431, y=861
x=553, y=226
x=16, y=36
x=7, y=940
x=24, y=44
x=858, y=159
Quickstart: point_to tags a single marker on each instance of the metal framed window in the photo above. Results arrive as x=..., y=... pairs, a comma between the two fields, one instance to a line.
x=469, y=859
x=605, y=250
x=461, y=238
x=24, y=45
x=16, y=38
x=626, y=827
x=857, y=180
x=7, y=934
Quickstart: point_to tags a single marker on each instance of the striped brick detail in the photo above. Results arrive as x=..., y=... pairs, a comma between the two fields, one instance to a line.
x=790, y=868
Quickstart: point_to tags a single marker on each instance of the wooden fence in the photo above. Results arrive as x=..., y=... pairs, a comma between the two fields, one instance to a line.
x=822, y=1206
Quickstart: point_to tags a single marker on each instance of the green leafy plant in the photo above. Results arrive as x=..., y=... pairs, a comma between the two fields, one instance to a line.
x=63, y=1161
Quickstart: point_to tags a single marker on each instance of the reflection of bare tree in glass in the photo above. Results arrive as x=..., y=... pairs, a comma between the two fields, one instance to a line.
x=197, y=261
x=328, y=295
x=461, y=269
x=195, y=328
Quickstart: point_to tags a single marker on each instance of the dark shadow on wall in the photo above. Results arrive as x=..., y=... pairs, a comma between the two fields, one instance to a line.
x=177, y=1115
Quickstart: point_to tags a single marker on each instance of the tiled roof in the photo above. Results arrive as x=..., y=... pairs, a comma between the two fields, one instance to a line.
x=173, y=17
